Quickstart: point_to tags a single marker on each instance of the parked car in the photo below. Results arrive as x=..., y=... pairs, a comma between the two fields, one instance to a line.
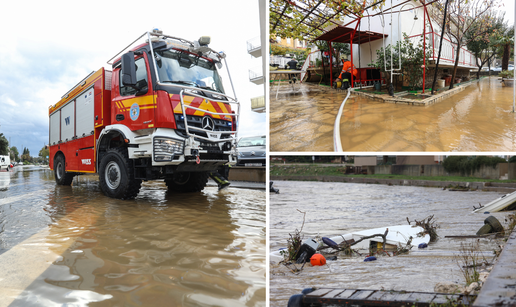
x=5, y=163
x=251, y=151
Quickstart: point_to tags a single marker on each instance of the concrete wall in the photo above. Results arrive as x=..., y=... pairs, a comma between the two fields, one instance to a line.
x=487, y=172
x=407, y=170
x=383, y=169
x=251, y=174
x=504, y=168
x=512, y=170
x=365, y=160
x=433, y=170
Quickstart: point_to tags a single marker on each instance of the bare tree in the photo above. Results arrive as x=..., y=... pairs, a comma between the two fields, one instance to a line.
x=462, y=15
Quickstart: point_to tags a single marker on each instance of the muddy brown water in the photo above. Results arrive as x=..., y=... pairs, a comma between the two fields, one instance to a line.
x=339, y=208
x=75, y=246
x=479, y=118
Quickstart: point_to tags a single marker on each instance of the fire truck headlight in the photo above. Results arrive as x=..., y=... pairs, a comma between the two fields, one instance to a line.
x=166, y=148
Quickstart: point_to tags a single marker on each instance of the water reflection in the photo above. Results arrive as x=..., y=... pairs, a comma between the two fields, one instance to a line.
x=339, y=208
x=479, y=118
x=161, y=249
x=5, y=179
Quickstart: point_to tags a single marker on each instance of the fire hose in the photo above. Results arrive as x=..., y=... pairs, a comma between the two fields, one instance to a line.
x=337, y=145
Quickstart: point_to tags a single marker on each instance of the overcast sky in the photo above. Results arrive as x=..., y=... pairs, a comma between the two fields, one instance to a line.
x=508, y=7
x=46, y=47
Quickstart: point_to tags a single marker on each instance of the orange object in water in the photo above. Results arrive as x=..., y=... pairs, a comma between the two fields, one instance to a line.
x=317, y=259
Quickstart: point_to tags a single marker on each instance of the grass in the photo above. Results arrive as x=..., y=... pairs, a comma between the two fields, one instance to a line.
x=468, y=259
x=318, y=170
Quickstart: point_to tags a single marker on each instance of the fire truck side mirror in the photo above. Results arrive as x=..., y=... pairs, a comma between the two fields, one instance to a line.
x=128, y=69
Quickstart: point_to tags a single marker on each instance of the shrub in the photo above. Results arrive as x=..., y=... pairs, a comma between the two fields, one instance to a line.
x=466, y=164
x=506, y=74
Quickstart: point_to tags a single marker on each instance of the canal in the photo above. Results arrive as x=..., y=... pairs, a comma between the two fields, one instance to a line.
x=338, y=208
x=64, y=245
x=479, y=118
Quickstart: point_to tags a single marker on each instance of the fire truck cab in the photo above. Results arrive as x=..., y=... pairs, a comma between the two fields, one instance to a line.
x=161, y=113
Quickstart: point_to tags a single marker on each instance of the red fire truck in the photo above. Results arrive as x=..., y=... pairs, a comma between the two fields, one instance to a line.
x=161, y=113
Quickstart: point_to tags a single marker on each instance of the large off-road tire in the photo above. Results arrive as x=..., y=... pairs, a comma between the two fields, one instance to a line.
x=187, y=182
x=495, y=224
x=295, y=300
x=484, y=230
x=116, y=175
x=60, y=174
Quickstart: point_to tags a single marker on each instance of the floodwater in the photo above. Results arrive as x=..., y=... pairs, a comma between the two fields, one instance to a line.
x=479, y=118
x=74, y=246
x=339, y=208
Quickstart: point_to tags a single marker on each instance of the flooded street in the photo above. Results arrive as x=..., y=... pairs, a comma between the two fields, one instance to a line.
x=479, y=118
x=339, y=208
x=74, y=246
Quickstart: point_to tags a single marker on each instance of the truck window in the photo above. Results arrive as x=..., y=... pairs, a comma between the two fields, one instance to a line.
x=175, y=66
x=141, y=79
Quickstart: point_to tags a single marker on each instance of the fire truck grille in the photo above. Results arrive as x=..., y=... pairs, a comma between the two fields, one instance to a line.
x=196, y=121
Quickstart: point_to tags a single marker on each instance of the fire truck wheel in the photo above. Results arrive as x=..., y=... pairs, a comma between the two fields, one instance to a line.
x=62, y=177
x=187, y=182
x=116, y=175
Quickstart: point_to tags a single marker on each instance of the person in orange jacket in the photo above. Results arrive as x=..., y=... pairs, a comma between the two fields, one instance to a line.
x=345, y=74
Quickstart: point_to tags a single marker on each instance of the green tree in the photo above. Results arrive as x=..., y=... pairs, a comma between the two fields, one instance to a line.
x=14, y=154
x=412, y=55
x=26, y=155
x=484, y=47
x=43, y=154
x=4, y=145
x=504, y=40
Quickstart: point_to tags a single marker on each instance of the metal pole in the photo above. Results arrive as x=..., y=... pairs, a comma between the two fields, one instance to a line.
x=424, y=47
x=513, y=77
x=331, y=63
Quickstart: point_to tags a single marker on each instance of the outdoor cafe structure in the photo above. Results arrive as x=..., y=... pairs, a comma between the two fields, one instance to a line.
x=378, y=28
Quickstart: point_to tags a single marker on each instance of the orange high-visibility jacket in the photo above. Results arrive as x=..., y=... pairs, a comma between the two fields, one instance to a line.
x=347, y=66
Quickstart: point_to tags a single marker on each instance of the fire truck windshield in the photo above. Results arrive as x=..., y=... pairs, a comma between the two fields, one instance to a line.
x=181, y=67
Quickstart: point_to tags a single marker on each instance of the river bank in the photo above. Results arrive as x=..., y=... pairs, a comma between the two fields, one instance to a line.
x=339, y=173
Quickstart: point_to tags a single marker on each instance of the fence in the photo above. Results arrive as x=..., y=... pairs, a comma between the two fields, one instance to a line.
x=435, y=170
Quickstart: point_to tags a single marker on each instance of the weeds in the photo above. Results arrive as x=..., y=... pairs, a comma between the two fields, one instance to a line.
x=511, y=219
x=468, y=260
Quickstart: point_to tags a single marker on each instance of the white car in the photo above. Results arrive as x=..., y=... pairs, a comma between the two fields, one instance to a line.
x=5, y=163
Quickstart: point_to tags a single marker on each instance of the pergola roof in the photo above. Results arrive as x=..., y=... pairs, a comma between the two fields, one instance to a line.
x=342, y=34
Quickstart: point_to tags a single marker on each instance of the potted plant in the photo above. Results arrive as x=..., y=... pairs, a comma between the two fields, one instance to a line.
x=507, y=77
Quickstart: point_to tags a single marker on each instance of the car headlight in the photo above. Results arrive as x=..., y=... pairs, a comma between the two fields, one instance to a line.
x=166, y=148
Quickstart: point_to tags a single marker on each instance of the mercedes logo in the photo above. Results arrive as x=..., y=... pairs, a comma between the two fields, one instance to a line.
x=207, y=123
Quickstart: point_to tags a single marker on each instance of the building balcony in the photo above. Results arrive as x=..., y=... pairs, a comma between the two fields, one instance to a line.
x=258, y=104
x=256, y=76
x=254, y=47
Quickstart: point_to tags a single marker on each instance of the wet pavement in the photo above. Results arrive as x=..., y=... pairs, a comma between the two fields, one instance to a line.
x=478, y=118
x=339, y=208
x=74, y=246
